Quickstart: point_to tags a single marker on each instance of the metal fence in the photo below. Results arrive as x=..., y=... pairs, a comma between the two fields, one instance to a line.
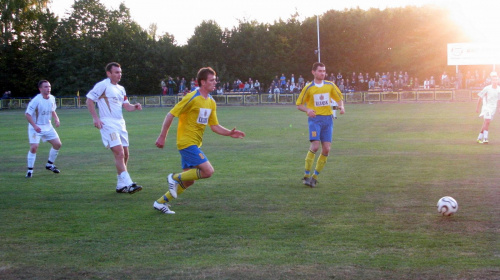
x=249, y=99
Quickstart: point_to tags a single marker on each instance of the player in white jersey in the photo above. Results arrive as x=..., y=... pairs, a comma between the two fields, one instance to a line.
x=111, y=98
x=39, y=113
x=335, y=106
x=489, y=96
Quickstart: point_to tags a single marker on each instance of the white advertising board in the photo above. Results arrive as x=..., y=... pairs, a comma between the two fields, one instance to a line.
x=473, y=54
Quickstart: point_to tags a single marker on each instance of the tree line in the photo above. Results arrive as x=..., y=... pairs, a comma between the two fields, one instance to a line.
x=71, y=52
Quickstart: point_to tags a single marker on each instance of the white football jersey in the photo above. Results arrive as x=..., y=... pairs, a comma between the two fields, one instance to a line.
x=41, y=109
x=490, y=96
x=109, y=98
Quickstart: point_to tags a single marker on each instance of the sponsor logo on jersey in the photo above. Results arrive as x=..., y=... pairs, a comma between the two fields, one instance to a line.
x=321, y=100
x=203, y=116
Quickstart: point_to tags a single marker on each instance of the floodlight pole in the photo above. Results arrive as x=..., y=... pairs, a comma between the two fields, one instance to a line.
x=317, y=27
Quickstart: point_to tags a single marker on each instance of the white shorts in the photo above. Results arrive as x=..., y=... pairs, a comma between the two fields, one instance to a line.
x=48, y=133
x=487, y=113
x=114, y=133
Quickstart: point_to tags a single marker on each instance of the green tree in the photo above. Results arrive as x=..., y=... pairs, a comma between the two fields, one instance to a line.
x=79, y=56
x=72, y=52
x=17, y=18
x=93, y=36
x=26, y=27
x=248, y=47
x=207, y=47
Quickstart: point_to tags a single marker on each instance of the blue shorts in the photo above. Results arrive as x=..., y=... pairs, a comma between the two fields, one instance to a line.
x=192, y=156
x=321, y=128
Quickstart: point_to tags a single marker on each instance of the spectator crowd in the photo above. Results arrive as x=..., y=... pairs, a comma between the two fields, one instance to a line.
x=357, y=81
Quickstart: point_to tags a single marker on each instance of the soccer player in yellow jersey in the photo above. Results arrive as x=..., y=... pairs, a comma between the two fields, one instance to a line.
x=314, y=100
x=195, y=111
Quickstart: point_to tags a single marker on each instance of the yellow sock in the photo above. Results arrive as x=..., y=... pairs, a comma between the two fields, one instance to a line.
x=309, y=162
x=168, y=197
x=189, y=175
x=320, y=163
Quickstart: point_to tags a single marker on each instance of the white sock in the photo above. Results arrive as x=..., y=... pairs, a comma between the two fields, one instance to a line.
x=480, y=136
x=31, y=159
x=53, y=155
x=485, y=134
x=125, y=178
x=119, y=183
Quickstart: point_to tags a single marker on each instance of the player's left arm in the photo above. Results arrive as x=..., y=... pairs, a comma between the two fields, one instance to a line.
x=340, y=98
x=219, y=129
x=132, y=107
x=341, y=106
x=56, y=118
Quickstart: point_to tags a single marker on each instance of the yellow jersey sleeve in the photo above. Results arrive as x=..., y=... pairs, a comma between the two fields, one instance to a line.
x=194, y=112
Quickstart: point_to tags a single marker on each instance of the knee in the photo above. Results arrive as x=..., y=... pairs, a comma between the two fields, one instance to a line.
x=208, y=172
x=33, y=149
x=57, y=146
x=314, y=148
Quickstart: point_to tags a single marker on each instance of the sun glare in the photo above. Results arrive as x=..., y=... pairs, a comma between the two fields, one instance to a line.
x=480, y=21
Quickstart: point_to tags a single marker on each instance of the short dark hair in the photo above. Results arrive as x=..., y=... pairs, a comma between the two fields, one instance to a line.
x=316, y=65
x=41, y=82
x=111, y=65
x=203, y=74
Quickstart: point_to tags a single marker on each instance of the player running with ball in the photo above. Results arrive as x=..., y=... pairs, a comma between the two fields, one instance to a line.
x=314, y=100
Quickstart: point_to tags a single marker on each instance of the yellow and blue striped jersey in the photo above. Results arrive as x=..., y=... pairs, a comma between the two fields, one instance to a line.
x=317, y=97
x=194, y=113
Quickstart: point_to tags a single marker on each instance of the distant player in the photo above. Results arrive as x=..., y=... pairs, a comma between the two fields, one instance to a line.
x=111, y=98
x=195, y=111
x=39, y=113
x=489, y=96
x=314, y=100
x=335, y=107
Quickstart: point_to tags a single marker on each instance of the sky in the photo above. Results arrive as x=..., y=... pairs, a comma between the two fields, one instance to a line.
x=480, y=18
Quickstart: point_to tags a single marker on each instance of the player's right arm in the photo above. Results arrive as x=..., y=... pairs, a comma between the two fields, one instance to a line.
x=482, y=95
x=29, y=114
x=309, y=112
x=301, y=103
x=91, y=106
x=160, y=141
x=92, y=96
x=478, y=102
x=32, y=122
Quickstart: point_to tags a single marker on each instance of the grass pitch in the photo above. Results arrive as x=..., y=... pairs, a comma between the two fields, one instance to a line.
x=372, y=215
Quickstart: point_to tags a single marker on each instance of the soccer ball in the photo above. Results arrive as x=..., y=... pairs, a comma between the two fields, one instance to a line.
x=447, y=206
